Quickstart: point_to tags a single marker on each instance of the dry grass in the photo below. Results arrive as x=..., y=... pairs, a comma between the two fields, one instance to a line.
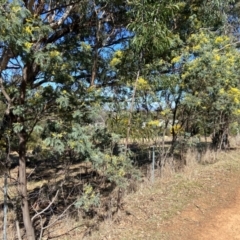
x=147, y=210
x=147, y=141
x=153, y=205
x=11, y=230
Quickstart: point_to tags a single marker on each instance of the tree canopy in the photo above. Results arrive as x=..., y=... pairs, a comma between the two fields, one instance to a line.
x=82, y=75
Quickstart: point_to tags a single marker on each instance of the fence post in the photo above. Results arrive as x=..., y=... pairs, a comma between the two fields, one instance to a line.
x=153, y=163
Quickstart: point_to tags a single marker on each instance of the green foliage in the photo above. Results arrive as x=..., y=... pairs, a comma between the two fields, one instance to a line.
x=17, y=127
x=117, y=168
x=211, y=79
x=88, y=199
x=61, y=70
x=149, y=24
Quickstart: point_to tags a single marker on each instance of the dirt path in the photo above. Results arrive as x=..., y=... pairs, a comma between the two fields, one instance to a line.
x=202, y=222
x=202, y=203
x=224, y=224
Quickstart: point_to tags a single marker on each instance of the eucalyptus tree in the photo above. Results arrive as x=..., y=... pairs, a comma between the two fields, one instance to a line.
x=151, y=37
x=195, y=21
x=192, y=18
x=161, y=31
x=58, y=59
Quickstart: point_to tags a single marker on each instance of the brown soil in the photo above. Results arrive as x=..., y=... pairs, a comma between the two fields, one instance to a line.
x=224, y=223
x=203, y=204
x=210, y=218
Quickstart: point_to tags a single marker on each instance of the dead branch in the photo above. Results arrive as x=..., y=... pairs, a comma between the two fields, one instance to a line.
x=31, y=173
x=4, y=92
x=59, y=216
x=45, y=209
x=66, y=232
x=18, y=231
x=7, y=54
x=63, y=18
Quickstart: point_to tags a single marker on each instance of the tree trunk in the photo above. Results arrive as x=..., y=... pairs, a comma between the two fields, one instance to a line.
x=95, y=54
x=5, y=206
x=22, y=187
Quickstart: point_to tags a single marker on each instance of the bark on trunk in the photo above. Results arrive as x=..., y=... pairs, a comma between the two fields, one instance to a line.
x=5, y=206
x=22, y=187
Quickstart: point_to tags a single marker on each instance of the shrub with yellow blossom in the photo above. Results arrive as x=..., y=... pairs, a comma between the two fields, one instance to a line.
x=209, y=79
x=117, y=58
x=143, y=84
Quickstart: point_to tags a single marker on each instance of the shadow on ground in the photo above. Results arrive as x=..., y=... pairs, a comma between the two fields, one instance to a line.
x=56, y=185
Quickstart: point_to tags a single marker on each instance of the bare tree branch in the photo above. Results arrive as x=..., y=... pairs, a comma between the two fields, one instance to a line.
x=6, y=55
x=228, y=45
x=4, y=91
x=30, y=6
x=45, y=209
x=18, y=231
x=57, y=236
x=63, y=18
x=59, y=216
